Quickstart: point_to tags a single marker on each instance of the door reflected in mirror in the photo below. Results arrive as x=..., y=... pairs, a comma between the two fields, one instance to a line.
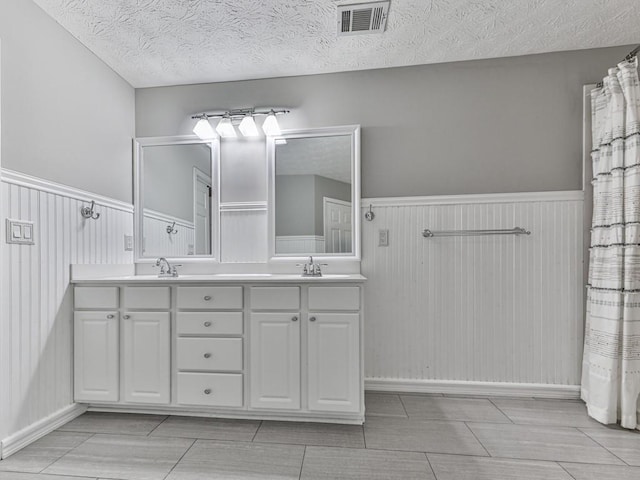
x=313, y=195
x=177, y=196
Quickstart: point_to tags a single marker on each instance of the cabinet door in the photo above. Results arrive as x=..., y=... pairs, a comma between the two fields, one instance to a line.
x=275, y=360
x=334, y=362
x=146, y=357
x=95, y=356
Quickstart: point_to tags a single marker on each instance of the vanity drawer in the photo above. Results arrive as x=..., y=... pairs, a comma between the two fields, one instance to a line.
x=209, y=354
x=211, y=389
x=334, y=298
x=209, y=323
x=275, y=298
x=212, y=298
x=95, y=297
x=147, y=297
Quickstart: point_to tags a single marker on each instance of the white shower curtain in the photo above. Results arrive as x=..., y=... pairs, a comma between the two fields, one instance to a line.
x=611, y=363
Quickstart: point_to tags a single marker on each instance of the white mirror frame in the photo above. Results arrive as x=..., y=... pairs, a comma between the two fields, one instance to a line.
x=138, y=188
x=354, y=132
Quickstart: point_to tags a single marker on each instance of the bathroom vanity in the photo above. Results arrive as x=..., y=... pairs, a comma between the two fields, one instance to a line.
x=264, y=346
x=239, y=325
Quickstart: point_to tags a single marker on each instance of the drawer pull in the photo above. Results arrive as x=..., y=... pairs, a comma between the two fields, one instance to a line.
x=207, y=355
x=126, y=317
x=207, y=298
x=294, y=319
x=207, y=391
x=312, y=319
x=207, y=324
x=110, y=316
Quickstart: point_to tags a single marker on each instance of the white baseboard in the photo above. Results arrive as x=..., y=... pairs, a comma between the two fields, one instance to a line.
x=497, y=389
x=33, y=432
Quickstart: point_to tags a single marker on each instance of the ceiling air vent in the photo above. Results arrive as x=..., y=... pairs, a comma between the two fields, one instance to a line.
x=362, y=18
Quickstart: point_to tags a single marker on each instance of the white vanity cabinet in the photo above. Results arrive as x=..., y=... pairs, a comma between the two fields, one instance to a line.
x=122, y=344
x=289, y=349
x=209, y=346
x=319, y=343
x=275, y=347
x=95, y=356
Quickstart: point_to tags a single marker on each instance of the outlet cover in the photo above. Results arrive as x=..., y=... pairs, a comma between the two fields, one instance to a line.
x=383, y=238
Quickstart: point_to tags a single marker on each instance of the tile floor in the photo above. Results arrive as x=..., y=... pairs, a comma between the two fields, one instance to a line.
x=428, y=437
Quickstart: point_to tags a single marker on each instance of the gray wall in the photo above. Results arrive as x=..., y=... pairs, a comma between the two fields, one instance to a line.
x=295, y=209
x=327, y=187
x=243, y=170
x=502, y=125
x=299, y=202
x=168, y=177
x=66, y=116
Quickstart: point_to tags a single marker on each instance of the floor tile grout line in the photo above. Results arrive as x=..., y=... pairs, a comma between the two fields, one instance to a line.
x=500, y=410
x=430, y=466
x=568, y=473
x=364, y=437
x=91, y=435
x=403, y=406
x=253, y=439
x=304, y=454
x=158, y=425
x=477, y=439
x=598, y=443
x=180, y=459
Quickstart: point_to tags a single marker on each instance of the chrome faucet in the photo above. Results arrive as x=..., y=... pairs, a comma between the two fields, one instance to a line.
x=170, y=271
x=311, y=269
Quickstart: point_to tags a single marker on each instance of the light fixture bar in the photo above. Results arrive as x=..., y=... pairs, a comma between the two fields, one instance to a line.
x=242, y=112
x=243, y=118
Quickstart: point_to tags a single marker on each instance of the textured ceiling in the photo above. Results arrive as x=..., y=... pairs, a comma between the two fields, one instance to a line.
x=172, y=42
x=324, y=156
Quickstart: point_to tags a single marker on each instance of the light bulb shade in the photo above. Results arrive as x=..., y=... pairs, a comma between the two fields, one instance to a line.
x=270, y=125
x=248, y=127
x=225, y=128
x=204, y=130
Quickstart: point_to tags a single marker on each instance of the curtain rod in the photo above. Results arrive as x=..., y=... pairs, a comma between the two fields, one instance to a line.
x=628, y=58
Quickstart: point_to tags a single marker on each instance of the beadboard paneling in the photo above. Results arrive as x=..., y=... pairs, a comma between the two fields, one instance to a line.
x=35, y=327
x=243, y=233
x=158, y=243
x=475, y=309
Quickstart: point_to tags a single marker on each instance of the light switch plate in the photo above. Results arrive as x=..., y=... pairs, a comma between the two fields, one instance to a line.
x=128, y=243
x=383, y=238
x=20, y=232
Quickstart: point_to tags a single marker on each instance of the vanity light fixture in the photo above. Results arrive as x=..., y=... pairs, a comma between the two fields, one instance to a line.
x=270, y=125
x=203, y=129
x=243, y=118
x=248, y=127
x=225, y=128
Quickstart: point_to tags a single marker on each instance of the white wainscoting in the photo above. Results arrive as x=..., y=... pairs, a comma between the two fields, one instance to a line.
x=36, y=321
x=158, y=243
x=302, y=244
x=243, y=232
x=472, y=314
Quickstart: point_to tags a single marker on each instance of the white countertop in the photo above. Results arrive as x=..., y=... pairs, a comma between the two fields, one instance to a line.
x=223, y=278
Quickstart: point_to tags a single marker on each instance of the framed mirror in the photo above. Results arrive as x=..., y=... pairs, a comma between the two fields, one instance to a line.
x=314, y=193
x=176, y=197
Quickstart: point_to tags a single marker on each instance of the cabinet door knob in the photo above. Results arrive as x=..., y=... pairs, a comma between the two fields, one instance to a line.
x=207, y=298
x=312, y=319
x=207, y=391
x=207, y=355
x=126, y=317
x=207, y=324
x=110, y=315
x=294, y=319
